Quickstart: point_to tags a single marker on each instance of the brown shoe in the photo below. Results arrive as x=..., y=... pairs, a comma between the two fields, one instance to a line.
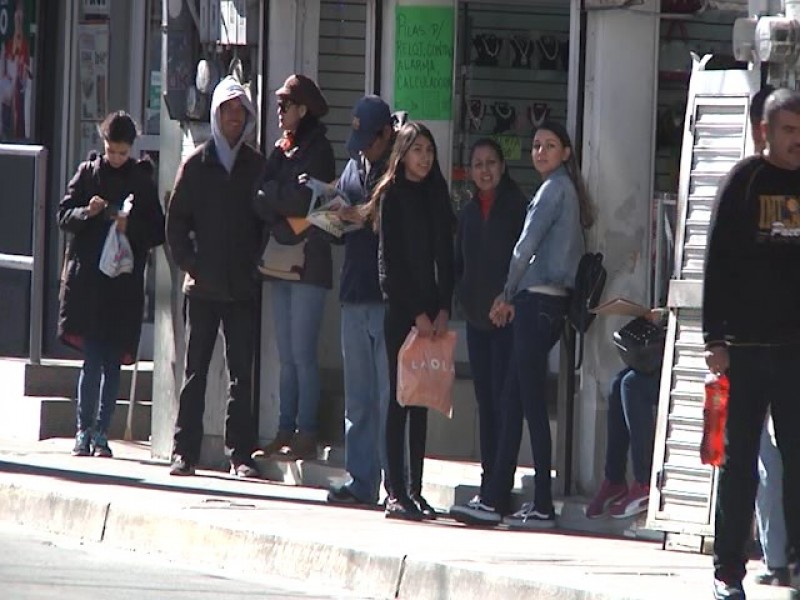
x=302, y=447
x=281, y=441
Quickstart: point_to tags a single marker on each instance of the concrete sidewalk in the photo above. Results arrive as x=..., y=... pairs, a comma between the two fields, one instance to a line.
x=131, y=502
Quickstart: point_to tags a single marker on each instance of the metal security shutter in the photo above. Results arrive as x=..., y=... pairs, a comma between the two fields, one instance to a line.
x=342, y=66
x=716, y=136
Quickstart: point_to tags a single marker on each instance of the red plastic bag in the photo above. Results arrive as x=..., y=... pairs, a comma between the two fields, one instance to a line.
x=425, y=372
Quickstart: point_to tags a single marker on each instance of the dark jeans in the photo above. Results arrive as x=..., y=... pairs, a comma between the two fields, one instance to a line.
x=489, y=359
x=98, y=383
x=538, y=323
x=396, y=328
x=759, y=376
x=203, y=318
x=631, y=424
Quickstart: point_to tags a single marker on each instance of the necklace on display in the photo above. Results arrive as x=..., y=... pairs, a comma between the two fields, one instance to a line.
x=488, y=46
x=538, y=113
x=505, y=114
x=492, y=44
x=549, y=46
x=476, y=110
x=522, y=47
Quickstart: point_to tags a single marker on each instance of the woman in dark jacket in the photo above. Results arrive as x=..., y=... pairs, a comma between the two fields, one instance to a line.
x=297, y=260
x=100, y=315
x=412, y=212
x=488, y=228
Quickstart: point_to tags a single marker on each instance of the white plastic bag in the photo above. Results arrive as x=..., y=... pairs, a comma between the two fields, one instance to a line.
x=117, y=256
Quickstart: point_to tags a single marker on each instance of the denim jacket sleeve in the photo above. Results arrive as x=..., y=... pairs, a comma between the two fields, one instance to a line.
x=543, y=211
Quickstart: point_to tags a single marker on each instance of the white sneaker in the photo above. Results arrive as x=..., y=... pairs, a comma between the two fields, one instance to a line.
x=476, y=500
x=477, y=514
x=529, y=518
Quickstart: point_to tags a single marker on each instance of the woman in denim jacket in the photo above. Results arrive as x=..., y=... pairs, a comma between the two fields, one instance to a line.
x=540, y=277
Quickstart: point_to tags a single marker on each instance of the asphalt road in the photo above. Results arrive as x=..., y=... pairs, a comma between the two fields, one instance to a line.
x=37, y=567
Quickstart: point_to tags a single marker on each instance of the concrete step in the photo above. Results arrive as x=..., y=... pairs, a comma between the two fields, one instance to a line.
x=59, y=378
x=37, y=418
x=448, y=482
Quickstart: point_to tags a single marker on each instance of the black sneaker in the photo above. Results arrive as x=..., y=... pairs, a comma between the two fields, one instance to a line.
x=428, y=512
x=344, y=496
x=476, y=513
x=403, y=508
x=181, y=466
x=83, y=443
x=244, y=469
x=529, y=517
x=728, y=591
x=778, y=576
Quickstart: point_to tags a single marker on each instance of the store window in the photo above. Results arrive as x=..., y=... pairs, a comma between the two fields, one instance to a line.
x=17, y=72
x=511, y=74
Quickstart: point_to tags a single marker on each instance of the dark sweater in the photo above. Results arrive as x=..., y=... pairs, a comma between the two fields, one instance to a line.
x=212, y=231
x=483, y=250
x=751, y=292
x=92, y=305
x=282, y=196
x=359, y=281
x=415, y=258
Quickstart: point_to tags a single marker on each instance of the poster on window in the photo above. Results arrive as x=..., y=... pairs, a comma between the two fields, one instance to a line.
x=93, y=70
x=17, y=46
x=90, y=139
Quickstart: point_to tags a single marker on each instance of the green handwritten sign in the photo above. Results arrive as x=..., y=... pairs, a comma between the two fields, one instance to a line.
x=423, y=81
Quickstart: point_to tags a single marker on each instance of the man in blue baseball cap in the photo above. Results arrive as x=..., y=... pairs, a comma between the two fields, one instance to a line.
x=366, y=376
x=370, y=116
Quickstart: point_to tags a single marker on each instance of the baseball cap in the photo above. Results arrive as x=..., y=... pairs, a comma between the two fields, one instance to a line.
x=370, y=115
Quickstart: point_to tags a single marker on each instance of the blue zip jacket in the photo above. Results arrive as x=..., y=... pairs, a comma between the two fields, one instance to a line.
x=551, y=243
x=359, y=280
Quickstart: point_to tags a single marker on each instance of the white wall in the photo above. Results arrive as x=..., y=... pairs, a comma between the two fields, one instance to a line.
x=619, y=130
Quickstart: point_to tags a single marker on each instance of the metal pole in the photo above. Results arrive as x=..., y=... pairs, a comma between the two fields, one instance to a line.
x=37, y=275
x=128, y=436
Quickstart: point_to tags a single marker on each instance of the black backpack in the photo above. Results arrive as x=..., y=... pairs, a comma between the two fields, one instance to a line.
x=589, y=283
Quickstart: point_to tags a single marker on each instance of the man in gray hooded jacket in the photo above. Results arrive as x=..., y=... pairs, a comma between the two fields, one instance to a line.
x=214, y=236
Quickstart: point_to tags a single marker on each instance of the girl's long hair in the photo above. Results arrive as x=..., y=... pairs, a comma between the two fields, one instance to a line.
x=571, y=164
x=402, y=143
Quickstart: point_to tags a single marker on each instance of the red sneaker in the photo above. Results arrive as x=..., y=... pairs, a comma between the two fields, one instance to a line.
x=608, y=494
x=634, y=503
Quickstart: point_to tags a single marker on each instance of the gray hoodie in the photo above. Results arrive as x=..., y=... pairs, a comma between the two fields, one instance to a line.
x=227, y=89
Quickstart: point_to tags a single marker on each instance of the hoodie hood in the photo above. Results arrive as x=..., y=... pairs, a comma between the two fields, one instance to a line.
x=228, y=89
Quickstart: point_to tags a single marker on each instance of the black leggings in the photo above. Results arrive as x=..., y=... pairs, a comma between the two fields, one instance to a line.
x=396, y=328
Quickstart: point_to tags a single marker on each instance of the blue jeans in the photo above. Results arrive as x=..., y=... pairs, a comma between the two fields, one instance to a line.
x=769, y=501
x=537, y=326
x=99, y=379
x=366, y=397
x=489, y=358
x=297, y=310
x=631, y=424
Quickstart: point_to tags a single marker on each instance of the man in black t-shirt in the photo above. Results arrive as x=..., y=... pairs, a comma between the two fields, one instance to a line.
x=751, y=328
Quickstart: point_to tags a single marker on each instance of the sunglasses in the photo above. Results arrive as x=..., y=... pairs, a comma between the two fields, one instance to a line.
x=285, y=105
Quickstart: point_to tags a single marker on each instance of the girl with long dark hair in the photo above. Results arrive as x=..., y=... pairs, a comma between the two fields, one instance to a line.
x=411, y=209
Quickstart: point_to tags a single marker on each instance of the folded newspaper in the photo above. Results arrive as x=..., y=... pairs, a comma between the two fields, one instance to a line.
x=323, y=212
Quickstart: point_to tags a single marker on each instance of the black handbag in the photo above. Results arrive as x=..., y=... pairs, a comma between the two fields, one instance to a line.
x=641, y=345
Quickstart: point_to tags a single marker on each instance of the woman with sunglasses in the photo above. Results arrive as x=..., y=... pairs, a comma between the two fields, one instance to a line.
x=299, y=287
